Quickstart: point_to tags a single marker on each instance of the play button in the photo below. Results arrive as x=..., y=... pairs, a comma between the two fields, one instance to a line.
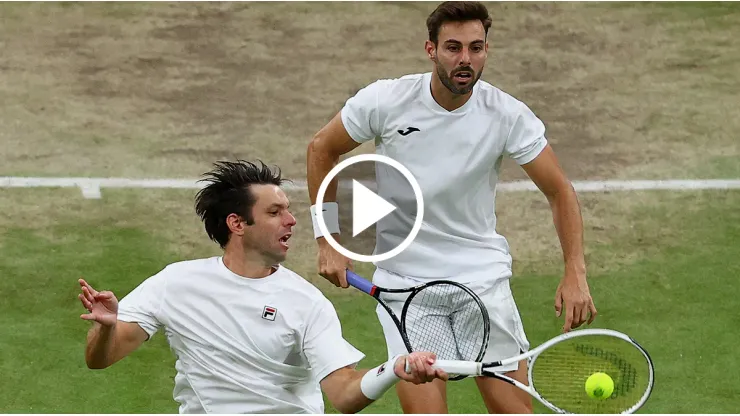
x=367, y=208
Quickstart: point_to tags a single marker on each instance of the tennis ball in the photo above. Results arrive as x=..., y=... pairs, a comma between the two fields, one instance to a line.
x=599, y=386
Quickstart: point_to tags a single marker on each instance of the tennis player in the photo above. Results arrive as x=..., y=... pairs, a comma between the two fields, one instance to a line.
x=250, y=335
x=452, y=130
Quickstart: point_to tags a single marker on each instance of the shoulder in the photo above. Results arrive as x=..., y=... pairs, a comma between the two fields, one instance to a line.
x=499, y=101
x=188, y=266
x=387, y=91
x=398, y=85
x=183, y=272
x=406, y=88
x=402, y=85
x=169, y=278
x=297, y=286
x=305, y=299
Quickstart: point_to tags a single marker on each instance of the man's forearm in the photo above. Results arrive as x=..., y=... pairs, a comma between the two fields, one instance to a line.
x=350, y=390
x=100, y=340
x=568, y=221
x=352, y=400
x=318, y=165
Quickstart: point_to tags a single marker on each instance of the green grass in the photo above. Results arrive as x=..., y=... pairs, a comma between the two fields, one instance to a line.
x=42, y=338
x=718, y=167
x=678, y=302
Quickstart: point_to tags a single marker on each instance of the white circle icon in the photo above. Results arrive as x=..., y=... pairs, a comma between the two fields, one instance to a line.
x=417, y=194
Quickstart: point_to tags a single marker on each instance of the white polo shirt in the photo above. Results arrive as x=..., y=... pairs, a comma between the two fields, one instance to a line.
x=455, y=156
x=243, y=345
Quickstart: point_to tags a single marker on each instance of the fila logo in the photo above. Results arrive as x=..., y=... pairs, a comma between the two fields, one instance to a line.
x=269, y=313
x=408, y=131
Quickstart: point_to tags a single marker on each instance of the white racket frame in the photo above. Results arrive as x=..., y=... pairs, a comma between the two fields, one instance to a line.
x=471, y=368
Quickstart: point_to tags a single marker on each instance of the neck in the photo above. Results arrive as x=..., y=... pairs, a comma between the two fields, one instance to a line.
x=246, y=264
x=444, y=97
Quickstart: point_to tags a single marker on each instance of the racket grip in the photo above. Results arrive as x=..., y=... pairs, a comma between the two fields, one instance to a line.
x=360, y=283
x=463, y=368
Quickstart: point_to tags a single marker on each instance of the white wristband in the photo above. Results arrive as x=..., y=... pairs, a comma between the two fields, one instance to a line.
x=378, y=380
x=331, y=219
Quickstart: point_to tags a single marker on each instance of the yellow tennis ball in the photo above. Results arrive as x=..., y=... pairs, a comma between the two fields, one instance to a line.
x=599, y=386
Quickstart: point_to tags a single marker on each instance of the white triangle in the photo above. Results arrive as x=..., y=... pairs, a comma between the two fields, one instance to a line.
x=367, y=208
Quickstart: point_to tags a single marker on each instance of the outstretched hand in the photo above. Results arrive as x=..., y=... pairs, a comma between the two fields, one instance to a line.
x=102, y=307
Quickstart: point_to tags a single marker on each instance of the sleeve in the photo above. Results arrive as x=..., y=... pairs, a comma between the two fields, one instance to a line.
x=361, y=114
x=143, y=304
x=324, y=346
x=527, y=136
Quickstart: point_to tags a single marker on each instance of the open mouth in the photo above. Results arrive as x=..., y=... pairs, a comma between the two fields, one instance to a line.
x=284, y=240
x=463, y=76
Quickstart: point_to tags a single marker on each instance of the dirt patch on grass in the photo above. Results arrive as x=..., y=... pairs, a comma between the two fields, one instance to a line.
x=164, y=89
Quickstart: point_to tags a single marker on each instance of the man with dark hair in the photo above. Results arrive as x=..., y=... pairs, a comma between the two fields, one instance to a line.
x=250, y=336
x=451, y=131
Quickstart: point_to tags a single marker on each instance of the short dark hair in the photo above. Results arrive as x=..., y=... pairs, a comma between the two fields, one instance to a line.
x=228, y=192
x=457, y=11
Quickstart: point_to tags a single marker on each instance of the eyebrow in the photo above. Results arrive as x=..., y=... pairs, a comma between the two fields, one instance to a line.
x=276, y=205
x=457, y=42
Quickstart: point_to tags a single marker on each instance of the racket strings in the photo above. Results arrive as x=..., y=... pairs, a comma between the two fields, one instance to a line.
x=446, y=320
x=628, y=379
x=559, y=374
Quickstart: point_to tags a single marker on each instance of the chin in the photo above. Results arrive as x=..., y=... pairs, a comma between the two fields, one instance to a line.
x=277, y=259
x=463, y=91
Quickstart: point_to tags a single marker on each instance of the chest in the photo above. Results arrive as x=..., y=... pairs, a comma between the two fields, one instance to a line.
x=245, y=323
x=445, y=151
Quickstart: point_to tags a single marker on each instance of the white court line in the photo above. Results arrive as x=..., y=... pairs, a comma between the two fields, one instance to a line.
x=91, y=187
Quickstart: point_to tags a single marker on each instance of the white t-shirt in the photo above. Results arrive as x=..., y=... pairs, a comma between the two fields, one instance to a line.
x=455, y=156
x=242, y=345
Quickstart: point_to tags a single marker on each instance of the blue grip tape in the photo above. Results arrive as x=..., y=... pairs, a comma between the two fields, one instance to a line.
x=360, y=283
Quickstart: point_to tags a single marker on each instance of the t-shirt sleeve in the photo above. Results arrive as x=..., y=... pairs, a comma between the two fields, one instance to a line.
x=362, y=113
x=324, y=346
x=527, y=136
x=143, y=304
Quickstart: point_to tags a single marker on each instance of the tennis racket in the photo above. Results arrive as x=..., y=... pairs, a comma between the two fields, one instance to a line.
x=559, y=368
x=443, y=317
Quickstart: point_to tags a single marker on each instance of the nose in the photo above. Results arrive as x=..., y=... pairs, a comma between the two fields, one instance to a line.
x=290, y=219
x=465, y=57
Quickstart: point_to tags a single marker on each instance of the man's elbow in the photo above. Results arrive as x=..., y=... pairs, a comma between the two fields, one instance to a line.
x=339, y=401
x=317, y=146
x=348, y=400
x=347, y=408
x=342, y=390
x=563, y=190
x=312, y=145
x=94, y=363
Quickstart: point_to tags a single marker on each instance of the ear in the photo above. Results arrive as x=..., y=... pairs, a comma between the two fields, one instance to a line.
x=236, y=224
x=431, y=50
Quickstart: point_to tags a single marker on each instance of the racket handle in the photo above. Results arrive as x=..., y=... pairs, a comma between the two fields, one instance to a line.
x=360, y=283
x=463, y=368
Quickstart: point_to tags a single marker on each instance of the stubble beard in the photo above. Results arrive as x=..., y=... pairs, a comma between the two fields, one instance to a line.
x=450, y=85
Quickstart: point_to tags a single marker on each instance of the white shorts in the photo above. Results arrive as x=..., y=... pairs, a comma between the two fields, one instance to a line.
x=506, y=337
